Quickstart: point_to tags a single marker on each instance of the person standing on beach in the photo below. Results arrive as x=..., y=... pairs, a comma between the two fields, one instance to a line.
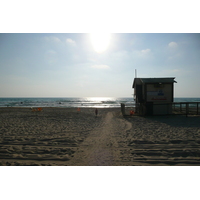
x=96, y=111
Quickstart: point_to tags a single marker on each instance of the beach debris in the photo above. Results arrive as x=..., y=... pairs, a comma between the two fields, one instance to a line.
x=78, y=109
x=33, y=109
x=96, y=111
x=36, y=109
x=132, y=112
x=39, y=109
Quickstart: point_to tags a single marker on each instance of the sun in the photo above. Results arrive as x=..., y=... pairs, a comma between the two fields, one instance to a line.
x=100, y=41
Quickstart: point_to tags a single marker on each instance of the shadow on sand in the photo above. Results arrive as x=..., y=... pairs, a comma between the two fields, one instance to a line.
x=171, y=120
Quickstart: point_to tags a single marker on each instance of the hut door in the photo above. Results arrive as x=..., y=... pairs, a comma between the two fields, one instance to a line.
x=149, y=108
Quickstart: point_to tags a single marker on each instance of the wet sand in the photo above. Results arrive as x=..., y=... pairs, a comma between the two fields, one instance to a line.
x=68, y=137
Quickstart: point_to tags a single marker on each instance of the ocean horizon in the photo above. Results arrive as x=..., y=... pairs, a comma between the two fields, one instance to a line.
x=83, y=102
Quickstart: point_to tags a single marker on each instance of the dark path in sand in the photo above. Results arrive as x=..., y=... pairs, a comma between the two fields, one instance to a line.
x=101, y=147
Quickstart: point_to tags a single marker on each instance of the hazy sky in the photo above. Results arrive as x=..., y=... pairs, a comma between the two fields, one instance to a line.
x=85, y=65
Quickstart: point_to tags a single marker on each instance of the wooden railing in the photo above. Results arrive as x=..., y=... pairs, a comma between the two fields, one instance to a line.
x=186, y=108
x=177, y=108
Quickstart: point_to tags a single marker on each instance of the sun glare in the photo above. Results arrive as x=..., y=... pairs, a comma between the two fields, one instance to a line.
x=100, y=41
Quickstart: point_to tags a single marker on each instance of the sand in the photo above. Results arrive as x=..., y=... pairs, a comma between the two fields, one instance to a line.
x=67, y=137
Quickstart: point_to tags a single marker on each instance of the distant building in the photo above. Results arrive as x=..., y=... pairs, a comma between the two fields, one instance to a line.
x=153, y=96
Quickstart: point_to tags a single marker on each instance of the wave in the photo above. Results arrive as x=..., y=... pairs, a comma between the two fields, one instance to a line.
x=103, y=102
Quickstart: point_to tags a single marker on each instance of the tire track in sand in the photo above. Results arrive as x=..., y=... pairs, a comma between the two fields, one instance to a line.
x=101, y=147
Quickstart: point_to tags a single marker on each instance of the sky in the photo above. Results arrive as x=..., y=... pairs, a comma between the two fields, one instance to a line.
x=49, y=64
x=96, y=65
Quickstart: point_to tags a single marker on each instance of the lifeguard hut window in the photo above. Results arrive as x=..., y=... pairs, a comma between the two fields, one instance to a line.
x=159, y=85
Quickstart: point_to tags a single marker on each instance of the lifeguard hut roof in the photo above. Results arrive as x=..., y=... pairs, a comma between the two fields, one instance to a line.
x=153, y=80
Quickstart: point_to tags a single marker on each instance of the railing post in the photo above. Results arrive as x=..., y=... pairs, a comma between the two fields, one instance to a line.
x=123, y=108
x=187, y=109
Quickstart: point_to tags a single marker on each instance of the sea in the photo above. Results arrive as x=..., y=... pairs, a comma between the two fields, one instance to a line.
x=87, y=102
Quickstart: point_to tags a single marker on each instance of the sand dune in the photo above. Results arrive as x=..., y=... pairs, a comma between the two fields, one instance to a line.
x=65, y=136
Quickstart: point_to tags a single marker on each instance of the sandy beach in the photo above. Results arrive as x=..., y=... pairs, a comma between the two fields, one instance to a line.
x=68, y=137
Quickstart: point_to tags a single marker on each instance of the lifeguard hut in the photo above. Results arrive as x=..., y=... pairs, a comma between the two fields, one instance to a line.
x=154, y=96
